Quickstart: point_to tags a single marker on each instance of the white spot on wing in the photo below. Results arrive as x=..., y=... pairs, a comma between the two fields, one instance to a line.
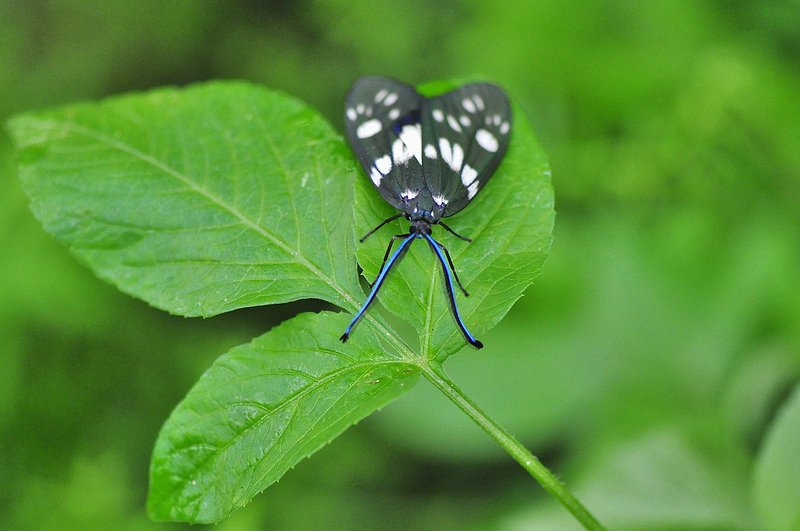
x=468, y=105
x=394, y=113
x=411, y=135
x=496, y=119
x=430, y=151
x=351, y=113
x=458, y=158
x=445, y=151
x=486, y=140
x=468, y=175
x=440, y=200
x=438, y=115
x=478, y=101
x=384, y=164
x=380, y=95
x=369, y=128
x=504, y=128
x=399, y=152
x=360, y=108
x=472, y=190
x=376, y=176
x=453, y=123
x=408, y=195
x=390, y=99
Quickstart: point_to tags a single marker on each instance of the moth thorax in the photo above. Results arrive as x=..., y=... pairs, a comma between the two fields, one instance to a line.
x=420, y=226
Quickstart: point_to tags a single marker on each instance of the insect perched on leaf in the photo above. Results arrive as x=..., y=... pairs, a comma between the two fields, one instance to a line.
x=428, y=157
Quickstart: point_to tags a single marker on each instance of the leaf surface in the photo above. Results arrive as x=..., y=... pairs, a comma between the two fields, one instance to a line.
x=225, y=195
x=261, y=408
x=200, y=200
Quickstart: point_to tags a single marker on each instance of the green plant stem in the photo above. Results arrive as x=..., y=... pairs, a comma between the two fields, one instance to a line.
x=436, y=375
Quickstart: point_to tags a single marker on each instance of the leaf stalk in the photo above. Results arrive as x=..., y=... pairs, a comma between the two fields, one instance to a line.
x=436, y=375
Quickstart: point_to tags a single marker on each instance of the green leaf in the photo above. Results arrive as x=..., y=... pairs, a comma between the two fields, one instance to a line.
x=510, y=222
x=226, y=195
x=777, y=476
x=199, y=201
x=261, y=408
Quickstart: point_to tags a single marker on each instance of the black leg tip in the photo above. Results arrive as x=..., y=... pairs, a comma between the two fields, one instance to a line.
x=477, y=344
x=344, y=337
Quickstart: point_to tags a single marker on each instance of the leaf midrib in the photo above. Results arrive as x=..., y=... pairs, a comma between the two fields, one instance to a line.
x=292, y=399
x=319, y=418
x=193, y=186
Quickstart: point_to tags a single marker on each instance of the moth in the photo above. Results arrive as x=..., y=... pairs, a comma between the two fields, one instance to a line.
x=428, y=158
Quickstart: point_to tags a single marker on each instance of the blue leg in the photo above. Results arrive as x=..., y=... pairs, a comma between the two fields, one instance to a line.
x=449, y=285
x=377, y=285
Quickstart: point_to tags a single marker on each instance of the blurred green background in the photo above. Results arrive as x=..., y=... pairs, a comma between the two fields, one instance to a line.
x=645, y=366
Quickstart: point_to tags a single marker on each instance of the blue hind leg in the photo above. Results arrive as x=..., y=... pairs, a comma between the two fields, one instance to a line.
x=450, y=293
x=377, y=285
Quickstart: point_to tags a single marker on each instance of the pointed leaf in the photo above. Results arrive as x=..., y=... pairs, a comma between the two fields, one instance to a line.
x=197, y=200
x=261, y=408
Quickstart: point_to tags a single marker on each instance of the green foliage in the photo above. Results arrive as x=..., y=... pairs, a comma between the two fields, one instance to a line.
x=226, y=195
x=657, y=346
x=261, y=408
x=199, y=202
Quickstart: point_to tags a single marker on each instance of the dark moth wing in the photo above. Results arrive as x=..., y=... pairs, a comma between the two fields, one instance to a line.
x=465, y=134
x=428, y=157
x=382, y=121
